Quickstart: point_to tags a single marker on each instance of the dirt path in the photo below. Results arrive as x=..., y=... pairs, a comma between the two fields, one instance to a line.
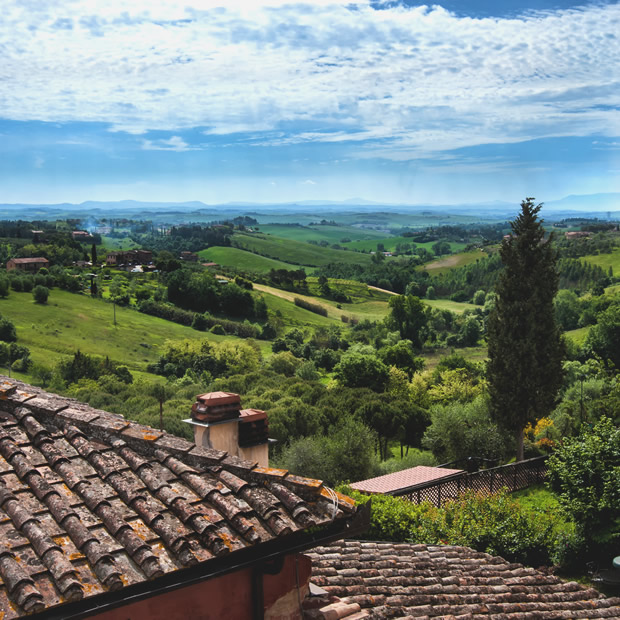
x=382, y=290
x=331, y=311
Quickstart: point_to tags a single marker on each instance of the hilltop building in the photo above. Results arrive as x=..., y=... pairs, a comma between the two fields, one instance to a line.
x=29, y=265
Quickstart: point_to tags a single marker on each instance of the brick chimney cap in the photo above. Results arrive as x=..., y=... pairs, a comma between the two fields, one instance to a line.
x=212, y=399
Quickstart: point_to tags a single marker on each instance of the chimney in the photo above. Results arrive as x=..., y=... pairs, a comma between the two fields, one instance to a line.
x=220, y=423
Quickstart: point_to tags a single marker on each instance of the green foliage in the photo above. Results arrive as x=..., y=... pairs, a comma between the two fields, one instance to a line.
x=525, y=348
x=585, y=473
x=82, y=366
x=344, y=454
x=401, y=355
x=361, y=369
x=479, y=297
x=604, y=337
x=8, y=332
x=408, y=316
x=494, y=524
x=40, y=294
x=306, y=305
x=4, y=286
x=459, y=431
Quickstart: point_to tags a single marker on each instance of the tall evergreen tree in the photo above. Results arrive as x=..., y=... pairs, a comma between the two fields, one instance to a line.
x=525, y=345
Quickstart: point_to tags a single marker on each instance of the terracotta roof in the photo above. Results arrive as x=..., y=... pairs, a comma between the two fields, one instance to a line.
x=91, y=502
x=403, y=479
x=24, y=261
x=391, y=580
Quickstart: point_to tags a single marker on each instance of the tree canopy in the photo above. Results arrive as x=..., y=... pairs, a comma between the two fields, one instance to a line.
x=525, y=346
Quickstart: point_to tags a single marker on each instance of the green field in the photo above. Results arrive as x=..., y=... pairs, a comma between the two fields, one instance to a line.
x=606, y=261
x=369, y=305
x=443, y=265
x=331, y=234
x=69, y=322
x=124, y=243
x=448, y=304
x=295, y=252
x=242, y=260
x=390, y=244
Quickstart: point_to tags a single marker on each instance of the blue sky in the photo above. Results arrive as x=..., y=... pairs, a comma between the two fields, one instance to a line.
x=273, y=101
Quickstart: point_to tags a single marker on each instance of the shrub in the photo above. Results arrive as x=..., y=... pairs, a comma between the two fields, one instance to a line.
x=495, y=524
x=7, y=331
x=306, y=305
x=40, y=294
x=218, y=330
x=585, y=472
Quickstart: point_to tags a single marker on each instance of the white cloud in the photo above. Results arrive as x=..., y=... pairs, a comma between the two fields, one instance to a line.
x=175, y=143
x=410, y=81
x=308, y=182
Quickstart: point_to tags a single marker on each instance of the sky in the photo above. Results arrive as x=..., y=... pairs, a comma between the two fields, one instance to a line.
x=269, y=101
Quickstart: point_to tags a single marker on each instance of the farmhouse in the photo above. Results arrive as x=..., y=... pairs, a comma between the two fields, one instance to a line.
x=29, y=265
x=129, y=257
x=81, y=235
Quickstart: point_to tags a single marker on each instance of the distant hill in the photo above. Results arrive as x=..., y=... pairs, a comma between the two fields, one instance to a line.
x=591, y=205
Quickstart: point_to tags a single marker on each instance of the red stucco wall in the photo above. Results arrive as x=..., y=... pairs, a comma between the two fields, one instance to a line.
x=228, y=597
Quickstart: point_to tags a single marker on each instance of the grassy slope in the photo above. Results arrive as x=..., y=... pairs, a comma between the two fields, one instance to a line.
x=446, y=263
x=296, y=252
x=606, y=260
x=372, y=305
x=331, y=234
x=69, y=322
x=447, y=304
x=112, y=243
x=240, y=259
x=391, y=242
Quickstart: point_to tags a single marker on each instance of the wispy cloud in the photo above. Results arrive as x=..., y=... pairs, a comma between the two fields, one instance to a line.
x=395, y=81
x=175, y=143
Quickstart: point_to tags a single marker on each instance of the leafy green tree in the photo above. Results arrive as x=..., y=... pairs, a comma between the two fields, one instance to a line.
x=441, y=247
x=525, y=346
x=567, y=309
x=408, y=316
x=4, y=287
x=460, y=431
x=585, y=473
x=470, y=331
x=40, y=294
x=604, y=337
x=161, y=392
x=7, y=331
x=12, y=353
x=402, y=356
x=479, y=297
x=360, y=369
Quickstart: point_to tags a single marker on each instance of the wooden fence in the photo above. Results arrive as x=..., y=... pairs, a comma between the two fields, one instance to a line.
x=513, y=477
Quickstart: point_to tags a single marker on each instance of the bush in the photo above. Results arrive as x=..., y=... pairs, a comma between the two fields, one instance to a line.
x=585, y=473
x=218, y=330
x=495, y=524
x=479, y=298
x=7, y=331
x=40, y=294
x=306, y=305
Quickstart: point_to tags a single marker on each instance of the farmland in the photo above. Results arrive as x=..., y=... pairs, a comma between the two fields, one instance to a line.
x=295, y=252
x=242, y=260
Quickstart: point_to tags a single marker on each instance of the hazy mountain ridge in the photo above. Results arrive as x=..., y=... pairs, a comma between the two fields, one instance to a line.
x=603, y=206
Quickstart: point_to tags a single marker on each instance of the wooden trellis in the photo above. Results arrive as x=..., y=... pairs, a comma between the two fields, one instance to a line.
x=513, y=477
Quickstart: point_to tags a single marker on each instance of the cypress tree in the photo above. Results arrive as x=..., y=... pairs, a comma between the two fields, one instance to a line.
x=525, y=345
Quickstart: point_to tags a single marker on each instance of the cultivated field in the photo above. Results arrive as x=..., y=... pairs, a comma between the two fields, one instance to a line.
x=295, y=252
x=243, y=260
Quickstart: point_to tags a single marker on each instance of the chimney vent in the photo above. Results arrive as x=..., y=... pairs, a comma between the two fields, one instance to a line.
x=216, y=406
x=219, y=423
